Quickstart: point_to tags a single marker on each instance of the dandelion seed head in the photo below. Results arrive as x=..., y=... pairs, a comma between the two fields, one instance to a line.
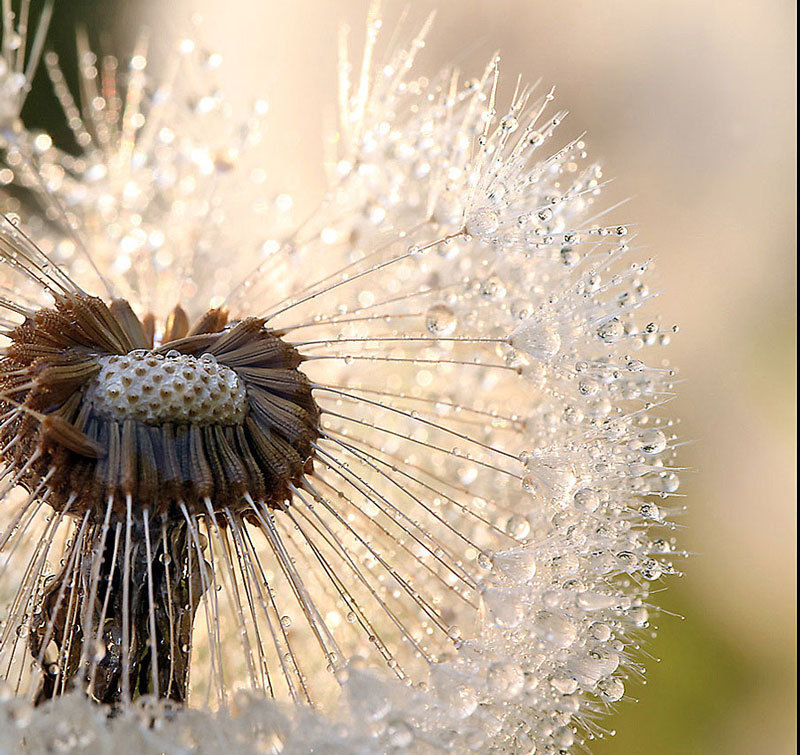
x=407, y=455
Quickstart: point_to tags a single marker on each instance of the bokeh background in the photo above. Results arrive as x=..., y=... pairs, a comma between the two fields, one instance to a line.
x=691, y=106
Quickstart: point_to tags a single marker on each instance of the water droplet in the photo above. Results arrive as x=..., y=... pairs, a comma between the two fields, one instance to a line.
x=638, y=615
x=592, y=601
x=586, y=499
x=627, y=560
x=650, y=511
x=669, y=482
x=440, y=320
x=650, y=569
x=509, y=123
x=600, y=631
x=652, y=441
x=564, y=684
x=611, y=689
x=611, y=330
x=570, y=257
x=518, y=527
x=483, y=222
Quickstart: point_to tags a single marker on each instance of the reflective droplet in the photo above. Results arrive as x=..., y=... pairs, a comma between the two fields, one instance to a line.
x=650, y=511
x=518, y=527
x=483, y=222
x=611, y=689
x=440, y=320
x=611, y=330
x=650, y=569
x=653, y=441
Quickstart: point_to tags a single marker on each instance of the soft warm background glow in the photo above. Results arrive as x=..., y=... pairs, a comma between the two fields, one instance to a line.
x=690, y=105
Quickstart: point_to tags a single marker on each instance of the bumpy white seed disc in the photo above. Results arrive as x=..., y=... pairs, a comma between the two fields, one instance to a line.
x=155, y=389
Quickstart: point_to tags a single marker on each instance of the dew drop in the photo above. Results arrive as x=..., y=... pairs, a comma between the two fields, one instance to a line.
x=611, y=330
x=653, y=441
x=611, y=690
x=440, y=320
x=483, y=222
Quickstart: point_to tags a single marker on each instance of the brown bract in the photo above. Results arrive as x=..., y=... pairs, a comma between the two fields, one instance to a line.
x=214, y=414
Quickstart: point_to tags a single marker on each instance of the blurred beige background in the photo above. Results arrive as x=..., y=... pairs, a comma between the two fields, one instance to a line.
x=691, y=106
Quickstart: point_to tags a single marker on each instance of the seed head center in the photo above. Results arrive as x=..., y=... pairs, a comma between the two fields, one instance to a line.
x=154, y=389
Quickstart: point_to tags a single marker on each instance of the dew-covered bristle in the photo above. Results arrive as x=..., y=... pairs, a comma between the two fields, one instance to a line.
x=437, y=518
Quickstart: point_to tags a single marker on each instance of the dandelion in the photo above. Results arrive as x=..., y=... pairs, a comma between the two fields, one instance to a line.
x=405, y=455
